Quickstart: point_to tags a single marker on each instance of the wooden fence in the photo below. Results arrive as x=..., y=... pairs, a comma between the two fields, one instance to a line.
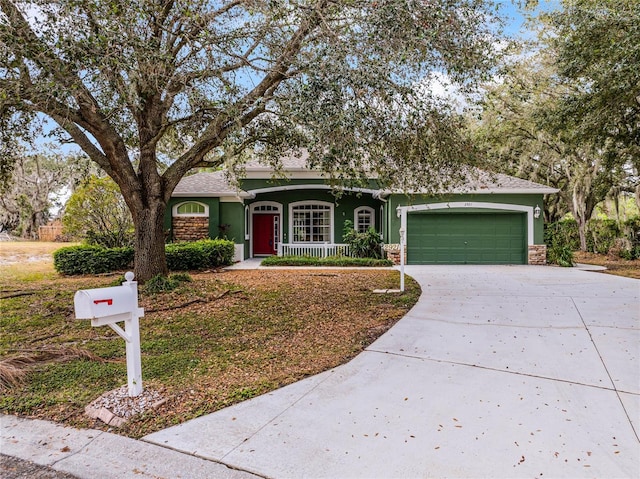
x=50, y=232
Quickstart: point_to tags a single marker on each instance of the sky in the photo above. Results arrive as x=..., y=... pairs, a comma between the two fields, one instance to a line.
x=515, y=19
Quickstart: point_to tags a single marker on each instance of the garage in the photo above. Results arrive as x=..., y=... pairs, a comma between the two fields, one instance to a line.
x=466, y=238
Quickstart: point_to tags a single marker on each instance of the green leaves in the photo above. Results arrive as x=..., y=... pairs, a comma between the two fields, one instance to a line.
x=207, y=80
x=598, y=44
x=96, y=212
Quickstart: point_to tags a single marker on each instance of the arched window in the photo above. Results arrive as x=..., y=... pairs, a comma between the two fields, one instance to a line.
x=190, y=208
x=364, y=218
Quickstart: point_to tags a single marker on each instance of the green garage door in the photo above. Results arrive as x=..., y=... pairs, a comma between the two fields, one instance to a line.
x=466, y=238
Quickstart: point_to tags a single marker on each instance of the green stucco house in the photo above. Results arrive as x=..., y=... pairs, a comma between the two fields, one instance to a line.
x=493, y=219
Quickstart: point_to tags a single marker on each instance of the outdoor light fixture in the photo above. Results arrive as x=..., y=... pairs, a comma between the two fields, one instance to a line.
x=536, y=212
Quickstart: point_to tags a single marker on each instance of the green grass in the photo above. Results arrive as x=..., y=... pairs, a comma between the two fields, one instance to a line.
x=244, y=334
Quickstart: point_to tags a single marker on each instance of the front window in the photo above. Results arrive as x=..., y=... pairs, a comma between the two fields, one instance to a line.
x=311, y=223
x=364, y=219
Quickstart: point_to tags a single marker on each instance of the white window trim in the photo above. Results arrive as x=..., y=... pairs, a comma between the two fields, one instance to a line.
x=186, y=215
x=370, y=210
x=311, y=202
x=258, y=204
x=252, y=211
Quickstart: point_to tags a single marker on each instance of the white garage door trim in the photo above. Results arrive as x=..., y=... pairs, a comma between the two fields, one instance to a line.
x=403, y=210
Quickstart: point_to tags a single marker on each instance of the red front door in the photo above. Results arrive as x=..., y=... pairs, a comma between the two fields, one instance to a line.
x=263, y=234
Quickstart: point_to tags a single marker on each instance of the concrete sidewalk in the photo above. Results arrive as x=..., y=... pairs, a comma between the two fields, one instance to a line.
x=498, y=371
x=91, y=454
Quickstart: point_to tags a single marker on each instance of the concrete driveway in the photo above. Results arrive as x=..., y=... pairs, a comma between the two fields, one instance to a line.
x=498, y=371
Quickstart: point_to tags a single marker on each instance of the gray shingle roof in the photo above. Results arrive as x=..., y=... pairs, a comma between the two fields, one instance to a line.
x=207, y=184
x=217, y=184
x=479, y=181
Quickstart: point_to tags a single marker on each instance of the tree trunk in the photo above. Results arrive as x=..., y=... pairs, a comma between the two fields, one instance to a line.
x=150, y=259
x=582, y=232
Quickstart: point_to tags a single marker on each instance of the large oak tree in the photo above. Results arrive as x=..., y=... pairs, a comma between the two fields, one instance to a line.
x=150, y=89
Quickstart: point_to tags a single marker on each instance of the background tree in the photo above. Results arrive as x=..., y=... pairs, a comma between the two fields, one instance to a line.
x=184, y=83
x=598, y=46
x=29, y=192
x=96, y=212
x=522, y=136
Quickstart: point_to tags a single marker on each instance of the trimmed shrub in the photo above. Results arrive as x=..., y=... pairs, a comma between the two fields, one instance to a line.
x=290, y=261
x=199, y=254
x=185, y=256
x=329, y=261
x=349, y=261
x=88, y=259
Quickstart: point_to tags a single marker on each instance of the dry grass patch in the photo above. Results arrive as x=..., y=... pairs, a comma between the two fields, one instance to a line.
x=223, y=338
x=23, y=250
x=614, y=264
x=26, y=261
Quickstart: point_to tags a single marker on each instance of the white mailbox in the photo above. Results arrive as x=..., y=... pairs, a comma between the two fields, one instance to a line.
x=108, y=306
x=105, y=305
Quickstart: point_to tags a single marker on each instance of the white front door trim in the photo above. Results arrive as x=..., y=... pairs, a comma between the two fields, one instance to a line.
x=256, y=209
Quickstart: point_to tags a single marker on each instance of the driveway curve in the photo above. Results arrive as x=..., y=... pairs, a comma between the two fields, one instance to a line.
x=498, y=371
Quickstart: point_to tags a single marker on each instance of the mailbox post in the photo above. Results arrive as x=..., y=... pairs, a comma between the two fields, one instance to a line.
x=107, y=307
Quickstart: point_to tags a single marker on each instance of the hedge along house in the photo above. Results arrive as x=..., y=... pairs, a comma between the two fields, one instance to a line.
x=493, y=219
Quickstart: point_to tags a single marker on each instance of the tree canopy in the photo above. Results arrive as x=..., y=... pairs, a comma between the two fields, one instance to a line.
x=150, y=89
x=559, y=114
x=598, y=45
x=520, y=137
x=97, y=212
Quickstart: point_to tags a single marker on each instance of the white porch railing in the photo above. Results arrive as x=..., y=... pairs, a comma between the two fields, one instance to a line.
x=316, y=250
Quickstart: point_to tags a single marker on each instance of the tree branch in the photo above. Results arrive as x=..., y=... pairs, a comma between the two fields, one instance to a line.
x=220, y=127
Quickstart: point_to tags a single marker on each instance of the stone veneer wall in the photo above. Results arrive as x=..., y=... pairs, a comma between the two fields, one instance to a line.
x=190, y=228
x=538, y=254
x=393, y=252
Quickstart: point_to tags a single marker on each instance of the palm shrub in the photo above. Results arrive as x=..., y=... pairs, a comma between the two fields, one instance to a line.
x=560, y=242
x=362, y=245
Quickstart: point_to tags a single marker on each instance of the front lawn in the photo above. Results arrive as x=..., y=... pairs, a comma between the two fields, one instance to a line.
x=223, y=338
